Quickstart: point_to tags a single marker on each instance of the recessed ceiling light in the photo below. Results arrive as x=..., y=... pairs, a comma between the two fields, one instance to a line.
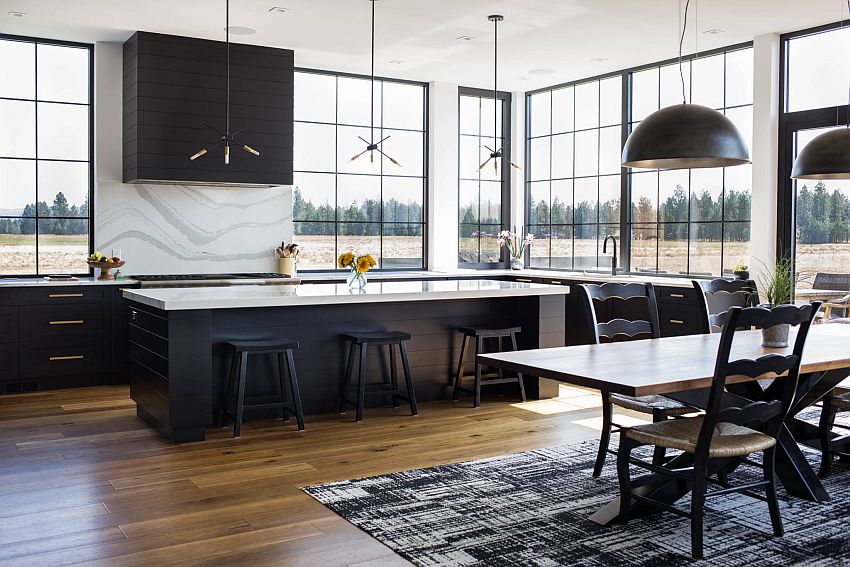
x=278, y=9
x=17, y=14
x=541, y=72
x=396, y=61
x=599, y=59
x=714, y=31
x=464, y=38
x=520, y=78
x=240, y=30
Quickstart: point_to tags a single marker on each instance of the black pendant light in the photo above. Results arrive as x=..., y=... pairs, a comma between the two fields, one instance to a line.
x=496, y=154
x=371, y=145
x=685, y=135
x=827, y=156
x=227, y=137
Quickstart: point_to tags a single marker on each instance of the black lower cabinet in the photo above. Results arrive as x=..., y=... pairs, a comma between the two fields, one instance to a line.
x=62, y=337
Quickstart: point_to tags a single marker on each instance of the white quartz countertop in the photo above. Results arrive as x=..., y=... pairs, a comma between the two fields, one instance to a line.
x=35, y=282
x=248, y=296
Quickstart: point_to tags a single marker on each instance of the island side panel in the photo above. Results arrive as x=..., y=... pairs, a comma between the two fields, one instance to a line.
x=546, y=330
x=433, y=352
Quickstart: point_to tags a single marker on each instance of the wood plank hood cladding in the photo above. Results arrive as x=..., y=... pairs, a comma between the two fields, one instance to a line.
x=172, y=84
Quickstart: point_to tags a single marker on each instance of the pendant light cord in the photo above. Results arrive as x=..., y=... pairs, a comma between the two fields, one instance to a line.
x=496, y=81
x=372, y=86
x=227, y=47
x=848, y=88
x=681, y=42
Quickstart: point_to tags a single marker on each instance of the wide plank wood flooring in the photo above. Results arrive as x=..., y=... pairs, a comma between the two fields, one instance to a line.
x=83, y=480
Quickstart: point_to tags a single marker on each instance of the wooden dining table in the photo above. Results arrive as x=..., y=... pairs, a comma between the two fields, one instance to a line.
x=683, y=368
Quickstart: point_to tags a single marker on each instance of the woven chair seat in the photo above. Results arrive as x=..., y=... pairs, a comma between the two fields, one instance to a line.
x=841, y=400
x=646, y=404
x=729, y=440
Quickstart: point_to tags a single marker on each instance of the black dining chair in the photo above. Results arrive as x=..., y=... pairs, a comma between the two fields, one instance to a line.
x=618, y=312
x=715, y=298
x=720, y=434
x=838, y=400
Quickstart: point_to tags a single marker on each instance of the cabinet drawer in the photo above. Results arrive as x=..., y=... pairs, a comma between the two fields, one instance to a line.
x=9, y=297
x=680, y=321
x=677, y=295
x=48, y=323
x=9, y=361
x=65, y=295
x=8, y=324
x=59, y=360
x=148, y=321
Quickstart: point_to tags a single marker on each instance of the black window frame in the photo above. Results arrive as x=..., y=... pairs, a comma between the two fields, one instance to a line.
x=506, y=98
x=91, y=148
x=425, y=167
x=625, y=240
x=789, y=124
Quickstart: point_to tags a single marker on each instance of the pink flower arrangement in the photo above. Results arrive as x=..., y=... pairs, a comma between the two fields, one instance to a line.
x=516, y=246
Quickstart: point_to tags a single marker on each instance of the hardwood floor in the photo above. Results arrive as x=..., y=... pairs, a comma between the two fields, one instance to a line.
x=82, y=480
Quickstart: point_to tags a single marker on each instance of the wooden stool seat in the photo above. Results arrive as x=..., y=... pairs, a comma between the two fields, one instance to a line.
x=358, y=346
x=280, y=350
x=479, y=334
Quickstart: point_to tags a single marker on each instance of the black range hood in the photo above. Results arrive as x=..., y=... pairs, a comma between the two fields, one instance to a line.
x=173, y=84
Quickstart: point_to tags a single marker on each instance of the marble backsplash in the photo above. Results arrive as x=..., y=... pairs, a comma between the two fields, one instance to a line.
x=192, y=229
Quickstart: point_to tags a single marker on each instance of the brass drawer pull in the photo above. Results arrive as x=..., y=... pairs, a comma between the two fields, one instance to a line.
x=73, y=357
x=60, y=295
x=677, y=295
x=523, y=280
x=677, y=321
x=70, y=322
x=556, y=282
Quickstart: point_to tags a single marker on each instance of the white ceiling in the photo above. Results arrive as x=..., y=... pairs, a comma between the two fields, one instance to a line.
x=558, y=35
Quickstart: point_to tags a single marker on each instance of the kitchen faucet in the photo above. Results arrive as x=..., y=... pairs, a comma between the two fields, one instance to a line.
x=613, y=258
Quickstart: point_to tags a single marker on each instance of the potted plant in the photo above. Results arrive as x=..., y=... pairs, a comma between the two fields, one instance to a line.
x=778, y=288
x=741, y=271
x=516, y=247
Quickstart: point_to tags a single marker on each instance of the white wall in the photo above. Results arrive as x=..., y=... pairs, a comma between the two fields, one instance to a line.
x=442, y=176
x=174, y=228
x=765, y=151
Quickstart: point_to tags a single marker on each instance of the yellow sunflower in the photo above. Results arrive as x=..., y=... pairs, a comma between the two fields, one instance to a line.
x=345, y=259
x=365, y=263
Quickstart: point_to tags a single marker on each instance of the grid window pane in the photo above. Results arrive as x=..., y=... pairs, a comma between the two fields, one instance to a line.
x=562, y=202
x=561, y=238
x=538, y=164
x=587, y=105
x=739, y=77
x=708, y=81
x=670, y=78
x=489, y=243
x=610, y=101
x=539, y=203
x=540, y=108
x=562, y=155
x=610, y=150
x=367, y=205
x=563, y=110
x=539, y=251
x=817, y=76
x=587, y=153
x=45, y=185
x=644, y=94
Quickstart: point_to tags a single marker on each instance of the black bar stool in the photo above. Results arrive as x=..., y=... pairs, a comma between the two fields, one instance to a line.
x=479, y=334
x=358, y=346
x=238, y=352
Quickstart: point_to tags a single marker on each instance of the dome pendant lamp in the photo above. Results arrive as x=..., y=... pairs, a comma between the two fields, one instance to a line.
x=827, y=156
x=685, y=135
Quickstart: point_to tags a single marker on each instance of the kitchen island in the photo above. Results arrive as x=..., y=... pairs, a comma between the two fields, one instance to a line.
x=177, y=336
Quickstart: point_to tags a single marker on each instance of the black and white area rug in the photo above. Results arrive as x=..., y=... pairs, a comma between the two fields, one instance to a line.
x=532, y=509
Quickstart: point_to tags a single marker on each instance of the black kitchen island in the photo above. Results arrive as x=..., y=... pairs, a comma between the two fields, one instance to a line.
x=177, y=369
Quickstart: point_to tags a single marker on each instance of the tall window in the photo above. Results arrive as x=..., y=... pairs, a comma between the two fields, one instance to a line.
x=815, y=214
x=678, y=222
x=45, y=156
x=367, y=205
x=483, y=193
x=573, y=197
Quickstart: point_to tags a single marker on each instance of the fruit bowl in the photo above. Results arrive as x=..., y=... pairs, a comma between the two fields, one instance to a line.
x=106, y=268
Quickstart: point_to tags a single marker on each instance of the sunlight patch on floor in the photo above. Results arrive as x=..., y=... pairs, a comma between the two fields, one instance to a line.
x=595, y=423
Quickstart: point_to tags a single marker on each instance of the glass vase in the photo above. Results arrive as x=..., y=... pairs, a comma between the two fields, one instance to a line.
x=356, y=279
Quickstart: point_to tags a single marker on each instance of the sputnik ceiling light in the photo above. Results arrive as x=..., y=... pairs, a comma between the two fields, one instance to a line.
x=496, y=155
x=227, y=137
x=685, y=135
x=371, y=145
x=827, y=156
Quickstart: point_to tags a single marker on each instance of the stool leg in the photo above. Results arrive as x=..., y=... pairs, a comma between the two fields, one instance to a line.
x=459, y=375
x=293, y=384
x=479, y=349
x=277, y=360
x=408, y=379
x=231, y=371
x=518, y=374
x=346, y=378
x=240, y=399
x=393, y=375
x=361, y=381
x=500, y=346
